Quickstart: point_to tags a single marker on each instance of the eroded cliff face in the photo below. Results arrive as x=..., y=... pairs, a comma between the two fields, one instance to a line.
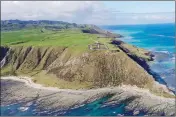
x=100, y=68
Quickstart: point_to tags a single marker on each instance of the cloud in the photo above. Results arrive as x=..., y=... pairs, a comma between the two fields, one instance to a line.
x=91, y=12
x=51, y=10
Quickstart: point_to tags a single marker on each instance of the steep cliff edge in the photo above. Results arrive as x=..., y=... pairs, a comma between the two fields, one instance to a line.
x=141, y=56
x=64, y=68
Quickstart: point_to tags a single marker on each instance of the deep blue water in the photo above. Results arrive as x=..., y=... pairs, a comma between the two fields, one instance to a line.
x=158, y=38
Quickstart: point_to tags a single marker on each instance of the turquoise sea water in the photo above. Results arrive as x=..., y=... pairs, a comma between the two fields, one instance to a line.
x=157, y=38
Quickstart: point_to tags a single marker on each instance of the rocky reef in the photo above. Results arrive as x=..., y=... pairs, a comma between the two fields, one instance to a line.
x=63, y=102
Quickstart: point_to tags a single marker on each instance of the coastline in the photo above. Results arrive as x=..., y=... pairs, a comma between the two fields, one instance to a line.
x=30, y=83
x=140, y=60
x=143, y=62
x=140, y=99
x=49, y=98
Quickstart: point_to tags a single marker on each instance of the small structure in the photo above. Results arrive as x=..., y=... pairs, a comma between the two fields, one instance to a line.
x=97, y=46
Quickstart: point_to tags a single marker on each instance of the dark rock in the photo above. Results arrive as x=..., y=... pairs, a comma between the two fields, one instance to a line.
x=3, y=51
x=117, y=42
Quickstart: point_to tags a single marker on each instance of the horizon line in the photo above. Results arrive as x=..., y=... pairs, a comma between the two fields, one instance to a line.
x=90, y=23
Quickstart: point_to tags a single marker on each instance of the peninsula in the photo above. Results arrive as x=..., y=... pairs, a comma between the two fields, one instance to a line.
x=83, y=63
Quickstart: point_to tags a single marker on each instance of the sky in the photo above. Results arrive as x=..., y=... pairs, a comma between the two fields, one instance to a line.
x=91, y=12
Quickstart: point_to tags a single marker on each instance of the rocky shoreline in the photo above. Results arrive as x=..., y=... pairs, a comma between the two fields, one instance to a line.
x=142, y=61
x=136, y=99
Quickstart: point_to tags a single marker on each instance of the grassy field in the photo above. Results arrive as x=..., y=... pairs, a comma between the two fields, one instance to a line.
x=74, y=39
x=34, y=37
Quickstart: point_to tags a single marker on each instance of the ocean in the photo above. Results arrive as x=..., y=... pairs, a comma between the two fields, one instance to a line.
x=157, y=38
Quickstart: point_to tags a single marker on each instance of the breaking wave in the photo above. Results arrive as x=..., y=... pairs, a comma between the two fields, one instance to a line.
x=163, y=36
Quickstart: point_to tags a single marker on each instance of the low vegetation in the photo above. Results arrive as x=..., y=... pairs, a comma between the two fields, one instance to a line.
x=35, y=37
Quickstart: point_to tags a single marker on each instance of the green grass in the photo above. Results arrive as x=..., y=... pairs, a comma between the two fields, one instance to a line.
x=76, y=41
x=71, y=38
x=34, y=37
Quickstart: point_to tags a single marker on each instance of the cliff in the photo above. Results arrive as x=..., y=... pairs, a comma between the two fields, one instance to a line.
x=64, y=68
